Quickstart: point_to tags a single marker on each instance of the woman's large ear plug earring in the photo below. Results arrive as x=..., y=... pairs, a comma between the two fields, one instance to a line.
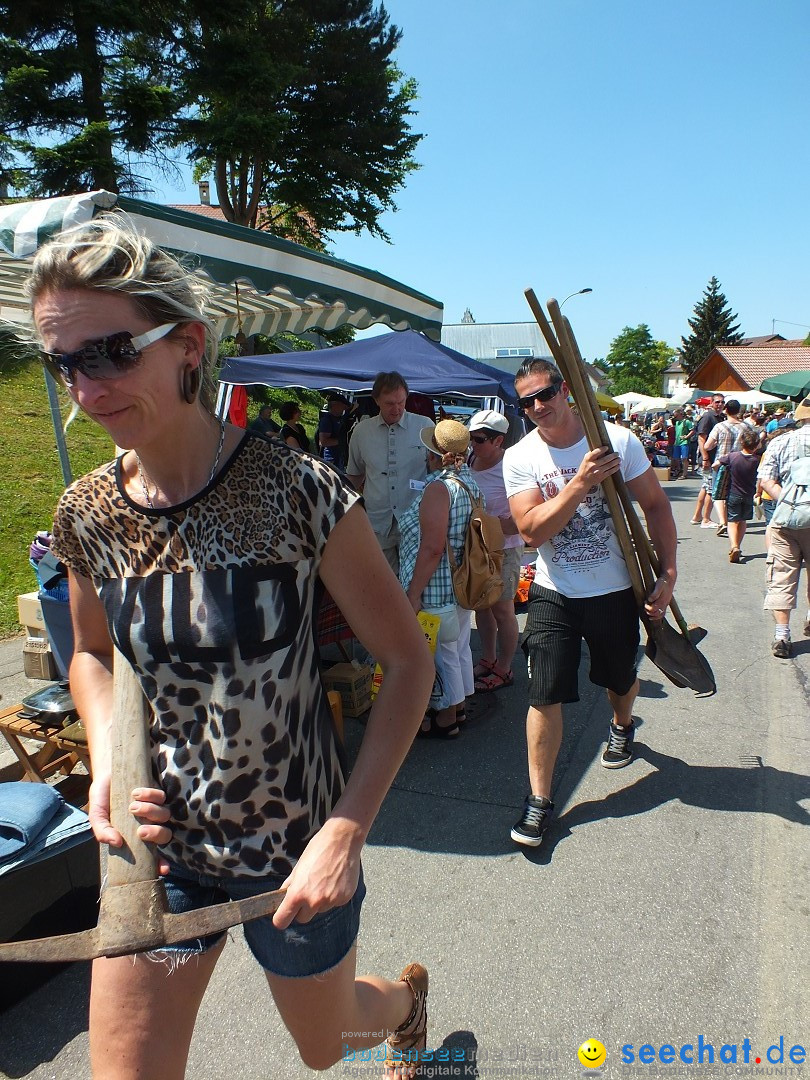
x=190, y=383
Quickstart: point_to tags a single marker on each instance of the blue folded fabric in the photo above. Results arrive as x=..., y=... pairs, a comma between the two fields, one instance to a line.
x=25, y=810
x=68, y=827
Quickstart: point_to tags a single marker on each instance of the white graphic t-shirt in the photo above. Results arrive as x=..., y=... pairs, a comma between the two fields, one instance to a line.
x=584, y=558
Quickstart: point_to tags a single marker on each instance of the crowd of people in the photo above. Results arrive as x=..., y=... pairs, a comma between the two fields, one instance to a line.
x=758, y=450
x=196, y=555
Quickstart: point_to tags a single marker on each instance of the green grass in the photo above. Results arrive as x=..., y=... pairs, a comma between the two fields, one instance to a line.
x=31, y=476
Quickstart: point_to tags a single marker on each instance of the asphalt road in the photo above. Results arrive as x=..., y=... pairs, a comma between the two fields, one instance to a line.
x=668, y=904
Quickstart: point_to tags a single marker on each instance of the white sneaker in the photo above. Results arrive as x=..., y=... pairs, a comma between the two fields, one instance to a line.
x=707, y=525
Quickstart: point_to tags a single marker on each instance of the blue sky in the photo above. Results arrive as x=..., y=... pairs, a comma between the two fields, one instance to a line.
x=636, y=148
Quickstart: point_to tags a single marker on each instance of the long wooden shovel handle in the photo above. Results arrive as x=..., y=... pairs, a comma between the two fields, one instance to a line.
x=642, y=542
x=648, y=559
x=559, y=351
x=650, y=565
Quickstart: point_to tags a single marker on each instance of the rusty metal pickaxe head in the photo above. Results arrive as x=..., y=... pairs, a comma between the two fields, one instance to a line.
x=134, y=915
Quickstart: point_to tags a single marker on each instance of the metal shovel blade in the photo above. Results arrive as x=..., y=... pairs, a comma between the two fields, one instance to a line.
x=677, y=657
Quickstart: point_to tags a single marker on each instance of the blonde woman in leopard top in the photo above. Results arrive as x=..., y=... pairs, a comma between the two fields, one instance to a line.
x=198, y=552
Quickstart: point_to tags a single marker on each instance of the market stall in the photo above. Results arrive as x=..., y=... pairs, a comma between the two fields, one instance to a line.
x=259, y=283
x=427, y=366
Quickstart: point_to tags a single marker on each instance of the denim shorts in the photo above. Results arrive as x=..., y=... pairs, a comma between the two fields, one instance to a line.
x=739, y=507
x=300, y=951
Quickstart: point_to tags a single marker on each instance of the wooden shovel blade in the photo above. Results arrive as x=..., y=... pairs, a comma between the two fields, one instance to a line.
x=677, y=657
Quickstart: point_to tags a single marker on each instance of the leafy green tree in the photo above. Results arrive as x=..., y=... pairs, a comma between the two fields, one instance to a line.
x=712, y=324
x=665, y=353
x=87, y=93
x=635, y=362
x=308, y=133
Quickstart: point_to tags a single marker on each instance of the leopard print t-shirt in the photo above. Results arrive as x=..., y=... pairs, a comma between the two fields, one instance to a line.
x=213, y=602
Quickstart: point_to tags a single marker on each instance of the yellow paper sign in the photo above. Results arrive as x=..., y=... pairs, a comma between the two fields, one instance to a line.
x=430, y=627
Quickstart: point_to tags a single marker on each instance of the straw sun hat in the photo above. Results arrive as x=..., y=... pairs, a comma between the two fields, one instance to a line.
x=447, y=437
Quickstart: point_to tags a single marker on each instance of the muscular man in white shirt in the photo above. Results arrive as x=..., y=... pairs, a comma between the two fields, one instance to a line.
x=582, y=587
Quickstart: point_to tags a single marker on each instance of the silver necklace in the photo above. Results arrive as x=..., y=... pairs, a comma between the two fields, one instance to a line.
x=214, y=467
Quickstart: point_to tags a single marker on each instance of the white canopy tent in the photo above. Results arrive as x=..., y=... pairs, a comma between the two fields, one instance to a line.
x=636, y=402
x=752, y=397
x=259, y=283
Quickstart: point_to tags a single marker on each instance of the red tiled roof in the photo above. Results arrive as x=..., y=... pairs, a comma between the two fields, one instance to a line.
x=753, y=363
x=214, y=212
x=202, y=209
x=764, y=339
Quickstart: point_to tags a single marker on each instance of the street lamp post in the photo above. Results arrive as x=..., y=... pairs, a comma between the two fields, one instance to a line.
x=579, y=292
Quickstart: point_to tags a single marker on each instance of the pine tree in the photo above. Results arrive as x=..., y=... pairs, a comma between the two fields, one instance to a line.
x=712, y=324
x=87, y=92
x=310, y=125
x=297, y=107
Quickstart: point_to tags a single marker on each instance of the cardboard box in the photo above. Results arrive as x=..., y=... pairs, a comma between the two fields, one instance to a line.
x=662, y=474
x=353, y=682
x=30, y=612
x=38, y=661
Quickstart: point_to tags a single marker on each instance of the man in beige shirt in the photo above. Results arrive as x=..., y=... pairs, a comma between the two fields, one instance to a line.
x=387, y=460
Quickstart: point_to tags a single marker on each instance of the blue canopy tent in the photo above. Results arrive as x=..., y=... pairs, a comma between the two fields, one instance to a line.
x=428, y=368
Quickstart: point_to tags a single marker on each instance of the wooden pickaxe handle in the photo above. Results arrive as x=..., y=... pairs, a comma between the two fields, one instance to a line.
x=131, y=755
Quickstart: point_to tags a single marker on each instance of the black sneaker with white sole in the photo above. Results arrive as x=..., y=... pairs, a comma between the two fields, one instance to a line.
x=536, y=818
x=619, y=749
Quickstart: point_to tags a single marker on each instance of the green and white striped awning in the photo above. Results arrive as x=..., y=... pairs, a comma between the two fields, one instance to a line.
x=267, y=284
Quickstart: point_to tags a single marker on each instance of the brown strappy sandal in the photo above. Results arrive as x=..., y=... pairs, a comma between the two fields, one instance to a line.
x=404, y=1044
x=483, y=667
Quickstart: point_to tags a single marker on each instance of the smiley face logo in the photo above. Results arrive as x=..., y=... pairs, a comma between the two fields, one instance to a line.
x=592, y=1054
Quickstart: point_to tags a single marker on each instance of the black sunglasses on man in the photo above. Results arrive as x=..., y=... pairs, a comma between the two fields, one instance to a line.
x=546, y=394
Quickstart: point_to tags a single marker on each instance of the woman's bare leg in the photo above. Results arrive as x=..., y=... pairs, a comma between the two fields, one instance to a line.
x=327, y=1014
x=142, y=1015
